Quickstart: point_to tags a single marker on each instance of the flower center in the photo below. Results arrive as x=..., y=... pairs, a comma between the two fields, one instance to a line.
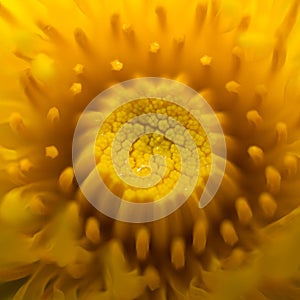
x=152, y=156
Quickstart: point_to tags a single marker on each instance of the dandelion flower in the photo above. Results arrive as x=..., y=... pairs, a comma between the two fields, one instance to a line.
x=242, y=57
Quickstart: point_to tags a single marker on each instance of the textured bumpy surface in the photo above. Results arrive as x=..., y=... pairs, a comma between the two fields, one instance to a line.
x=167, y=172
x=243, y=57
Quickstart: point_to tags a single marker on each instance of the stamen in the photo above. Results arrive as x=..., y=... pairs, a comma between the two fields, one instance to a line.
x=201, y=12
x=254, y=119
x=267, y=204
x=261, y=91
x=228, y=233
x=81, y=38
x=161, y=15
x=66, y=180
x=53, y=115
x=51, y=152
x=206, y=60
x=25, y=165
x=16, y=123
x=243, y=210
x=154, y=47
x=142, y=243
x=290, y=163
x=152, y=278
x=50, y=31
x=78, y=69
x=232, y=87
x=115, y=21
x=128, y=30
x=281, y=133
x=256, y=154
x=178, y=253
x=273, y=179
x=199, y=236
x=116, y=65
x=279, y=54
x=92, y=230
x=76, y=88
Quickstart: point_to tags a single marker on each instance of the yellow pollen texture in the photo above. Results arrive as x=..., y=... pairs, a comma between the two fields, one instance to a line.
x=148, y=145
